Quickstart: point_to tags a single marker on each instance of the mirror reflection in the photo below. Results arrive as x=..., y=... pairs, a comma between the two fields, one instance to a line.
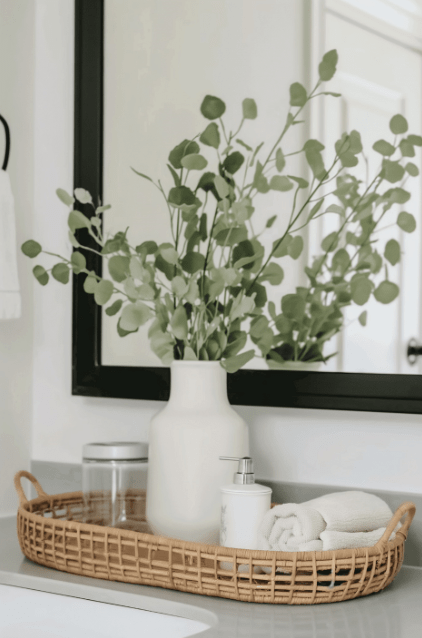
x=330, y=194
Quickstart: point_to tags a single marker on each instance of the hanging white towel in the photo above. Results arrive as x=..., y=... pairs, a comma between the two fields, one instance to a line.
x=334, y=521
x=10, y=297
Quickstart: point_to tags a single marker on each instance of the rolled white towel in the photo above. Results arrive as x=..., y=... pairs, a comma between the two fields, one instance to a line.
x=300, y=527
x=352, y=540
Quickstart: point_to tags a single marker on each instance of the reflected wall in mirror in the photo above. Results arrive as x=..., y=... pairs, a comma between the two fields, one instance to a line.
x=162, y=57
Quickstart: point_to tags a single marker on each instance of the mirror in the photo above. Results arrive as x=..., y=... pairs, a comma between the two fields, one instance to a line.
x=161, y=57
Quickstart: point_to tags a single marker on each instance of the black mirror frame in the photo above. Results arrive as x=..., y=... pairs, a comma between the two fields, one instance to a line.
x=332, y=390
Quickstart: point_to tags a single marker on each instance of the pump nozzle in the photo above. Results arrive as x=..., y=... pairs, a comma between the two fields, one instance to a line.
x=245, y=474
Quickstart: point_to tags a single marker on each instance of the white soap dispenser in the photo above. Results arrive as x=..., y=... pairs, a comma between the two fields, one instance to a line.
x=243, y=506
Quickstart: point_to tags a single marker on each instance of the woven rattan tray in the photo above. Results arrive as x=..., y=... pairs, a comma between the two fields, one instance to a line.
x=51, y=533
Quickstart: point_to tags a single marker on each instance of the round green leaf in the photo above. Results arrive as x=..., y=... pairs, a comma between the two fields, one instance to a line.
x=103, y=291
x=114, y=308
x=397, y=195
x=64, y=197
x=194, y=162
x=211, y=135
x=180, y=195
x=31, y=248
x=295, y=247
x=406, y=222
x=316, y=163
x=398, y=124
x=222, y=187
x=169, y=253
x=233, y=162
x=280, y=161
x=249, y=109
x=77, y=220
x=416, y=140
x=386, y=292
x=83, y=196
x=298, y=95
x=283, y=324
x=412, y=169
x=273, y=273
x=41, y=275
x=361, y=289
x=147, y=248
x=340, y=261
x=78, y=262
x=363, y=317
x=406, y=148
x=118, y=267
x=393, y=171
x=281, y=246
x=280, y=183
x=384, y=148
x=329, y=243
x=179, y=323
x=302, y=183
x=293, y=307
x=187, y=147
x=212, y=107
x=192, y=262
x=233, y=364
x=134, y=315
x=61, y=272
x=90, y=283
x=327, y=67
x=392, y=252
x=244, y=255
x=179, y=286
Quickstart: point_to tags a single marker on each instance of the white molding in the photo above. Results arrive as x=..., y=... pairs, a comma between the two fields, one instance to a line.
x=399, y=20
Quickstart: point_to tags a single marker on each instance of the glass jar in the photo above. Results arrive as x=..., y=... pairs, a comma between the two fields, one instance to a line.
x=114, y=478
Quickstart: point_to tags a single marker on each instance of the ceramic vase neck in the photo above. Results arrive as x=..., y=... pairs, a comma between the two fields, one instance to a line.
x=199, y=385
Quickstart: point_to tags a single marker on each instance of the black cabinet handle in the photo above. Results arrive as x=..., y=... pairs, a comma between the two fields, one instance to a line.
x=414, y=350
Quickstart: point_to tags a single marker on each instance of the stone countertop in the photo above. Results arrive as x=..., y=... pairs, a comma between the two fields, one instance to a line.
x=395, y=612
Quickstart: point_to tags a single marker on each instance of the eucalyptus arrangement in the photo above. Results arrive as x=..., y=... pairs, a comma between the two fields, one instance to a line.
x=205, y=293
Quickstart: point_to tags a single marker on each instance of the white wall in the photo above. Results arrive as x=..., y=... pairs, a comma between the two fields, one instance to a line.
x=16, y=100
x=335, y=448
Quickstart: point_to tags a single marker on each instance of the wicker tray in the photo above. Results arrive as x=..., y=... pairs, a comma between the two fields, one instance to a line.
x=51, y=533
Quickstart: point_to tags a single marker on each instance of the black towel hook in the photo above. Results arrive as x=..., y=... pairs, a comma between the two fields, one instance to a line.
x=7, y=151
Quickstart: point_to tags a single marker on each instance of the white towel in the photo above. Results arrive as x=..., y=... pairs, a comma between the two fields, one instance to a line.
x=334, y=521
x=10, y=297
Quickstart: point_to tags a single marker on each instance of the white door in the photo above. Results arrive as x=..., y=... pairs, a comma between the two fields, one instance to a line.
x=378, y=76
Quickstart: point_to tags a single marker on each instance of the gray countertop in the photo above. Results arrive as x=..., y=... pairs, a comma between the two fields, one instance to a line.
x=395, y=612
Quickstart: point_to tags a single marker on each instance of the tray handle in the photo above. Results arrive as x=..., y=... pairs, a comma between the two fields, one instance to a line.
x=22, y=496
x=408, y=508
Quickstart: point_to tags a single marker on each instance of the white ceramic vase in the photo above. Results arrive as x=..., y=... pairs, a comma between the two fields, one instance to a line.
x=186, y=439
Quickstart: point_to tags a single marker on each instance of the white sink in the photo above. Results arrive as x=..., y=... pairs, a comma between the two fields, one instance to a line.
x=25, y=612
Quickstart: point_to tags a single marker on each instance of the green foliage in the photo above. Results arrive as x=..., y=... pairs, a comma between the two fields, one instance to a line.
x=298, y=96
x=41, y=275
x=211, y=135
x=64, y=197
x=327, y=68
x=406, y=222
x=249, y=109
x=203, y=293
x=398, y=124
x=61, y=273
x=212, y=107
x=31, y=248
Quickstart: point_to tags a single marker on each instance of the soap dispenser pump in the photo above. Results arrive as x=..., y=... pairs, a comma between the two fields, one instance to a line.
x=243, y=506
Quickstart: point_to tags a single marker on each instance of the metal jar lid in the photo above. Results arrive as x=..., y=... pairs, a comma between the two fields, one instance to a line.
x=115, y=451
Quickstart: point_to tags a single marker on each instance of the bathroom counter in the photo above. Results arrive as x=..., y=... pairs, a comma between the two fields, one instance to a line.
x=395, y=612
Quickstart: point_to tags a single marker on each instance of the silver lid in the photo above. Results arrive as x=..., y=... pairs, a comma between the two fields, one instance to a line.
x=245, y=474
x=116, y=451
